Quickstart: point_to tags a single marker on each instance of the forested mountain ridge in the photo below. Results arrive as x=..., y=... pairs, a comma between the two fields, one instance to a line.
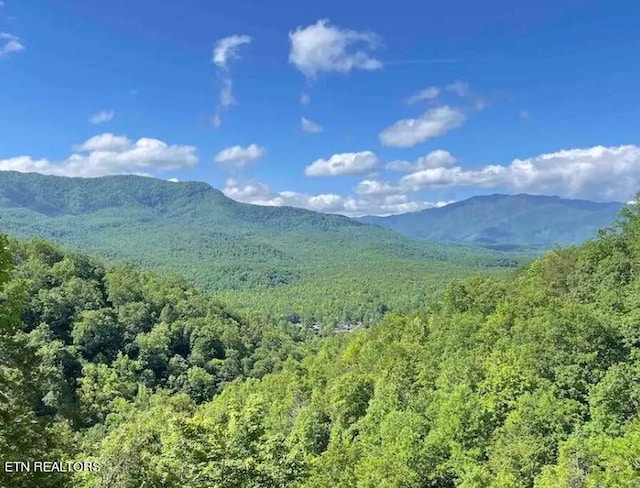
x=529, y=381
x=282, y=261
x=56, y=196
x=506, y=221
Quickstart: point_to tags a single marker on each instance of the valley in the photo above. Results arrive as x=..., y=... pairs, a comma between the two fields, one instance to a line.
x=276, y=261
x=502, y=381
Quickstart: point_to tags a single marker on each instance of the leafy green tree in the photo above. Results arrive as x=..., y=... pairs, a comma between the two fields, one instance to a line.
x=27, y=432
x=98, y=334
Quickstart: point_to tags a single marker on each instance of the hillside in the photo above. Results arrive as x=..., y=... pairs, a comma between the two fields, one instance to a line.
x=506, y=221
x=276, y=260
x=529, y=381
x=78, y=336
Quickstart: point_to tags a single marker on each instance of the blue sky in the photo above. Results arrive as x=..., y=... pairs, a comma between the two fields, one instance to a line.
x=409, y=104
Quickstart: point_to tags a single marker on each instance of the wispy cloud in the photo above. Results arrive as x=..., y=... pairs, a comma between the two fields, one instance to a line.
x=437, y=121
x=225, y=51
x=305, y=99
x=460, y=88
x=310, y=126
x=432, y=123
x=10, y=44
x=226, y=93
x=429, y=93
x=101, y=117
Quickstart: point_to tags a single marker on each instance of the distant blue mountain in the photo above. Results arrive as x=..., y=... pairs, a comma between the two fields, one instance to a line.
x=506, y=221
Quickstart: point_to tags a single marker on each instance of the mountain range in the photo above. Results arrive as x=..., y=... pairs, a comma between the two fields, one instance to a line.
x=286, y=260
x=506, y=221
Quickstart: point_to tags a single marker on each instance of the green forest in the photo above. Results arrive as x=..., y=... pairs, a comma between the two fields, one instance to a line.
x=525, y=379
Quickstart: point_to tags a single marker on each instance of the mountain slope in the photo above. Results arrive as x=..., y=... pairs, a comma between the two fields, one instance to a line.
x=532, y=381
x=276, y=259
x=503, y=221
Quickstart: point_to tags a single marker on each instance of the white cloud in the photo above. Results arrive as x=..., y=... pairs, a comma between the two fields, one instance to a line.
x=100, y=117
x=327, y=202
x=107, y=154
x=387, y=205
x=174, y=180
x=343, y=164
x=226, y=49
x=439, y=177
x=238, y=157
x=598, y=173
x=305, y=99
x=525, y=114
x=309, y=125
x=262, y=194
x=434, y=159
x=10, y=44
x=376, y=187
x=249, y=192
x=104, y=142
x=427, y=94
x=433, y=123
x=322, y=47
x=384, y=198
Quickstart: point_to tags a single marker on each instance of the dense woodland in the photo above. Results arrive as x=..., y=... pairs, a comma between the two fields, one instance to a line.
x=78, y=339
x=529, y=380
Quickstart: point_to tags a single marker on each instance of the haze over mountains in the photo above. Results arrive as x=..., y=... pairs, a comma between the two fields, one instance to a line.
x=506, y=221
